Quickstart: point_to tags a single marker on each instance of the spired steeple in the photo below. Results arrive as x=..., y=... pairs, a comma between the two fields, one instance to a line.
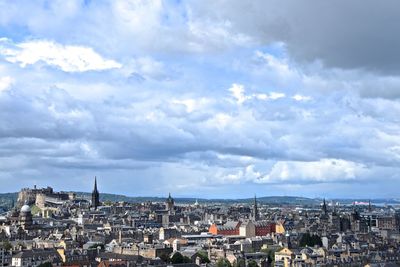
x=95, y=195
x=255, y=210
x=324, y=208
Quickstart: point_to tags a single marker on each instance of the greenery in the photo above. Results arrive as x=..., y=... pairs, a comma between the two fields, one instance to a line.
x=6, y=245
x=35, y=210
x=271, y=254
x=252, y=263
x=107, y=203
x=46, y=264
x=222, y=262
x=239, y=263
x=308, y=240
x=179, y=258
x=203, y=255
x=165, y=258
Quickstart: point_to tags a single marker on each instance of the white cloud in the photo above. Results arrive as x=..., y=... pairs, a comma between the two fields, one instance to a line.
x=148, y=67
x=324, y=170
x=243, y=175
x=69, y=58
x=238, y=92
x=193, y=104
x=275, y=95
x=5, y=83
x=279, y=65
x=299, y=97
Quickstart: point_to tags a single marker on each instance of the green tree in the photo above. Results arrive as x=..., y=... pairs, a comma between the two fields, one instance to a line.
x=179, y=258
x=310, y=240
x=107, y=203
x=223, y=262
x=165, y=258
x=46, y=264
x=7, y=245
x=203, y=255
x=252, y=263
x=239, y=263
x=270, y=253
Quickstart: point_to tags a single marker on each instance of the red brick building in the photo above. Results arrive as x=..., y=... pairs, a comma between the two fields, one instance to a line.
x=230, y=228
x=262, y=228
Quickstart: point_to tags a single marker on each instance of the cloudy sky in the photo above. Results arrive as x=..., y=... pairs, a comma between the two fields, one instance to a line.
x=209, y=98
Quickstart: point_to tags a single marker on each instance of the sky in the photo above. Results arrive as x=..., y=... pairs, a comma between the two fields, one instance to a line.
x=210, y=98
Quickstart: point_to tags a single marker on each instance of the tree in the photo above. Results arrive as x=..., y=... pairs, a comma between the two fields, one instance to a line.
x=165, y=258
x=179, y=258
x=46, y=264
x=239, y=263
x=223, y=262
x=271, y=254
x=107, y=203
x=7, y=245
x=203, y=256
x=252, y=263
x=308, y=240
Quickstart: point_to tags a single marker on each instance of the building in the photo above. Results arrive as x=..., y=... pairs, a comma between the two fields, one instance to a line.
x=256, y=215
x=5, y=256
x=283, y=257
x=229, y=228
x=170, y=204
x=25, y=217
x=263, y=228
x=249, y=229
x=95, y=195
x=35, y=257
x=40, y=196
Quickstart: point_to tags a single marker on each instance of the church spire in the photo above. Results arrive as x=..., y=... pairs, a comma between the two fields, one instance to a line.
x=95, y=195
x=95, y=184
x=324, y=208
x=255, y=211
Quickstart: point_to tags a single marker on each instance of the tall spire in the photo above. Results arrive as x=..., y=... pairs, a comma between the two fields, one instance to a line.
x=324, y=208
x=255, y=211
x=95, y=195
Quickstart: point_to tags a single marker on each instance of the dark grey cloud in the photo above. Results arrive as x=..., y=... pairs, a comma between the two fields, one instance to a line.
x=342, y=34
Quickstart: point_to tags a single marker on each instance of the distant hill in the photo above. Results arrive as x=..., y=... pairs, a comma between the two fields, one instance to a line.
x=7, y=199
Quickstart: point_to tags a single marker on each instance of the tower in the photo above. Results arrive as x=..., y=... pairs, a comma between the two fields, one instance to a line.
x=95, y=195
x=255, y=210
x=169, y=204
x=25, y=217
x=324, y=208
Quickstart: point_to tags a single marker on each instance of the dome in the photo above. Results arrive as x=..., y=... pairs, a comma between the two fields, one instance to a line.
x=25, y=208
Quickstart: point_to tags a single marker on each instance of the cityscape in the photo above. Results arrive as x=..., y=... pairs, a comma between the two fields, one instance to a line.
x=199, y=133
x=48, y=228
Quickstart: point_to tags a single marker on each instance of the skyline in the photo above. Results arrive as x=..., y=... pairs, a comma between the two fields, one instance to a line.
x=201, y=98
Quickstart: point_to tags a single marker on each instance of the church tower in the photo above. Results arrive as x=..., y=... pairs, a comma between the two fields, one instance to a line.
x=95, y=195
x=169, y=204
x=324, y=208
x=256, y=216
